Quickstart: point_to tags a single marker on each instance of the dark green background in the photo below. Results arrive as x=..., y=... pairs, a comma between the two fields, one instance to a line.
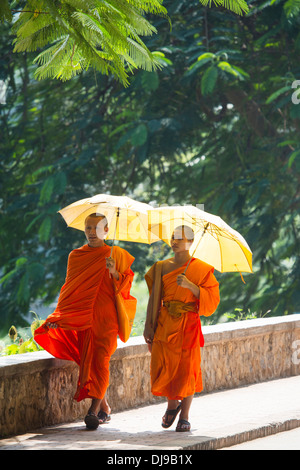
x=222, y=132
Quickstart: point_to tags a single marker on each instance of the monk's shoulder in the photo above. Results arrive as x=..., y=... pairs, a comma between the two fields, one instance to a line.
x=200, y=265
x=73, y=253
x=77, y=251
x=122, y=255
x=157, y=264
x=166, y=265
x=120, y=251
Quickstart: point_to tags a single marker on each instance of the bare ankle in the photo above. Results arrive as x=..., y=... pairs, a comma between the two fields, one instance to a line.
x=173, y=404
x=106, y=409
x=95, y=406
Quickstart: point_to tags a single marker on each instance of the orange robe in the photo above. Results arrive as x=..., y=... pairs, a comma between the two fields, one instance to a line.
x=175, y=356
x=86, y=316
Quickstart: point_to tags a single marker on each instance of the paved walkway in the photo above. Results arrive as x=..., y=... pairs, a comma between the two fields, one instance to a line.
x=219, y=420
x=288, y=440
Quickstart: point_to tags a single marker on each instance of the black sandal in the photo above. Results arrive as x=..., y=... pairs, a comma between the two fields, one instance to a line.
x=103, y=417
x=91, y=421
x=172, y=413
x=183, y=426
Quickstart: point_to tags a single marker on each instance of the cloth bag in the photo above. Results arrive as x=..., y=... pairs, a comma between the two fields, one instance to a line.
x=126, y=309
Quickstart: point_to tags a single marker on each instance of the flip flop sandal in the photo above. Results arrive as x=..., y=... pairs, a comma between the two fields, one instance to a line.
x=172, y=413
x=183, y=426
x=103, y=417
x=91, y=421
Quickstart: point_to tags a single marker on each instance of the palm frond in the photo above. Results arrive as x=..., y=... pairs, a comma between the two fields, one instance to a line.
x=103, y=34
x=292, y=8
x=236, y=6
x=141, y=56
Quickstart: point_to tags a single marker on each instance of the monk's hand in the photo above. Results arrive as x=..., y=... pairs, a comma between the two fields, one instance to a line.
x=51, y=325
x=183, y=281
x=111, y=265
x=148, y=334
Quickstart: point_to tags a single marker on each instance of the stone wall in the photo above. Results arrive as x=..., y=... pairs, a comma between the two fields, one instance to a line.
x=251, y=351
x=36, y=389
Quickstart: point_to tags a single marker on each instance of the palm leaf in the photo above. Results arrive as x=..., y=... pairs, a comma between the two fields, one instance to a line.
x=80, y=34
x=236, y=6
x=292, y=8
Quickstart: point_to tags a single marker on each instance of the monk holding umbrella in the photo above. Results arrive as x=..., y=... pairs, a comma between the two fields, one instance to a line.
x=95, y=305
x=182, y=289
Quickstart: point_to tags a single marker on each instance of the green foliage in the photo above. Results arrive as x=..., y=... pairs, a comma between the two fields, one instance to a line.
x=218, y=63
x=237, y=6
x=239, y=315
x=13, y=334
x=20, y=342
x=5, y=12
x=292, y=8
x=140, y=292
x=77, y=35
x=21, y=348
x=81, y=34
x=231, y=144
x=209, y=80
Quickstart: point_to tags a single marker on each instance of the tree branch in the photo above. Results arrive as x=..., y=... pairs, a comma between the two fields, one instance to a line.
x=251, y=112
x=30, y=11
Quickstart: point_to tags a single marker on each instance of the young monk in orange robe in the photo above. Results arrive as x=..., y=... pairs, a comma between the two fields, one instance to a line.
x=173, y=327
x=84, y=326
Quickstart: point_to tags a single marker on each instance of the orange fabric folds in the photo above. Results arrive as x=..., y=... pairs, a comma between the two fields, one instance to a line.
x=126, y=308
x=87, y=316
x=176, y=356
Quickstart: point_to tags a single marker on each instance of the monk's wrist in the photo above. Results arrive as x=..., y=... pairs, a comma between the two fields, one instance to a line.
x=115, y=275
x=194, y=289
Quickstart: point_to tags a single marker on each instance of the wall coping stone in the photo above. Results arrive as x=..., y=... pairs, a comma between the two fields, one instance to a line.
x=254, y=327
x=135, y=346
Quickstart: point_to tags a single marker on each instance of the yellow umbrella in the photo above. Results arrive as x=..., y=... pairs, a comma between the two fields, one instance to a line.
x=127, y=219
x=215, y=242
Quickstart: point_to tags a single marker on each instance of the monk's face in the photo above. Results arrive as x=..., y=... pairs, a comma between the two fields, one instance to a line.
x=179, y=242
x=95, y=231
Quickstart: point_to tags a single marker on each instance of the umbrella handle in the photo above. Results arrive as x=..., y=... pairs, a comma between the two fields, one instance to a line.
x=203, y=233
x=117, y=221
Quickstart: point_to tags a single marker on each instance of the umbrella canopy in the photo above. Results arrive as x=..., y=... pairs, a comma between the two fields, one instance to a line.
x=215, y=242
x=127, y=219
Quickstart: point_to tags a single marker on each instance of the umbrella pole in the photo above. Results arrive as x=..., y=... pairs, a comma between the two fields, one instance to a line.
x=117, y=221
x=203, y=233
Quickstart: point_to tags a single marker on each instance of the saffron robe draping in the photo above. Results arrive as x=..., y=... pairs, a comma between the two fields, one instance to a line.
x=86, y=316
x=176, y=356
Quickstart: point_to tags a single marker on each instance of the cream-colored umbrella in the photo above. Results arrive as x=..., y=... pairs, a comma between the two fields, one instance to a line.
x=215, y=242
x=127, y=218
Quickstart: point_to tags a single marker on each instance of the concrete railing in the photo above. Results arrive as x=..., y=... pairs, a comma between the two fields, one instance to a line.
x=37, y=390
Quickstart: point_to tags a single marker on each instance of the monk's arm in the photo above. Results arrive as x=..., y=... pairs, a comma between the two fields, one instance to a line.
x=123, y=281
x=148, y=315
x=209, y=295
x=111, y=266
x=148, y=329
x=119, y=277
x=116, y=275
x=183, y=281
x=194, y=289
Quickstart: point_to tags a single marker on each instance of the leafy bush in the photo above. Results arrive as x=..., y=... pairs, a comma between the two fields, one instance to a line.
x=240, y=315
x=20, y=342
